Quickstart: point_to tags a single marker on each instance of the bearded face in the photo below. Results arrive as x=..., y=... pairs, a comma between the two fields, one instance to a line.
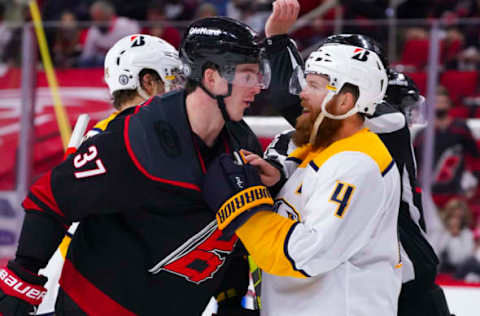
x=327, y=129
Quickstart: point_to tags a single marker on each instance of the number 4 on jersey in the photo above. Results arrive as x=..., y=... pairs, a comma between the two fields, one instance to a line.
x=342, y=195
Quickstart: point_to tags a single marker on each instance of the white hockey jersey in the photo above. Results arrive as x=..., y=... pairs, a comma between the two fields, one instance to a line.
x=334, y=250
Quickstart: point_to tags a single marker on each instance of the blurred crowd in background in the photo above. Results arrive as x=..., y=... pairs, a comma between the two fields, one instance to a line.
x=79, y=32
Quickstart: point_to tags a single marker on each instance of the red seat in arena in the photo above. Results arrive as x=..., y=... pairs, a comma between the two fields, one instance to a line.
x=459, y=84
x=420, y=79
x=415, y=53
x=461, y=111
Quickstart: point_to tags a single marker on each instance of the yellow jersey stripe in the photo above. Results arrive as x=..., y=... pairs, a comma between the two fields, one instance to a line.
x=303, y=155
x=363, y=141
x=267, y=245
x=102, y=125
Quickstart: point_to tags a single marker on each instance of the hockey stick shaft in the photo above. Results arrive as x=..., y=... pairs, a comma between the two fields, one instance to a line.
x=77, y=134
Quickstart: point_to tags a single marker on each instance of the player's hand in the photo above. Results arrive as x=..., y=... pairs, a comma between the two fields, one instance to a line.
x=284, y=15
x=234, y=191
x=21, y=291
x=269, y=175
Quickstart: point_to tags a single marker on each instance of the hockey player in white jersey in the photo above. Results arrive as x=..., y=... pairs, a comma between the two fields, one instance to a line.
x=155, y=68
x=332, y=248
x=401, y=108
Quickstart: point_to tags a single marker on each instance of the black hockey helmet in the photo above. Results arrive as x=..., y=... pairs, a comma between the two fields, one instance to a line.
x=401, y=89
x=221, y=41
x=402, y=92
x=358, y=40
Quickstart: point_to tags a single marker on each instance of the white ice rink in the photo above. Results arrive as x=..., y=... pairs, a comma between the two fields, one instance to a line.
x=462, y=301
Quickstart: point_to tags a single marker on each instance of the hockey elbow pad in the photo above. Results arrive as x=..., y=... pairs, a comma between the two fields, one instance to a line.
x=235, y=192
x=21, y=291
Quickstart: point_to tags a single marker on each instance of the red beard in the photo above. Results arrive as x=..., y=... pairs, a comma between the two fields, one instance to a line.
x=326, y=131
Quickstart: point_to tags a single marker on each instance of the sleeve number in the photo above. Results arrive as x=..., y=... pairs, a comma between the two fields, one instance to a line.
x=342, y=195
x=81, y=160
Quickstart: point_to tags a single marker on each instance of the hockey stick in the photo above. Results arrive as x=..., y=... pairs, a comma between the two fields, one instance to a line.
x=77, y=134
x=74, y=143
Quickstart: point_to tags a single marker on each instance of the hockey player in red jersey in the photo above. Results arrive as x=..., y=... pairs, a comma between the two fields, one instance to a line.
x=145, y=240
x=156, y=69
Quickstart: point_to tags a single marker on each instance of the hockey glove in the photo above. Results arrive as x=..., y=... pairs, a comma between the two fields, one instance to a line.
x=21, y=291
x=234, y=191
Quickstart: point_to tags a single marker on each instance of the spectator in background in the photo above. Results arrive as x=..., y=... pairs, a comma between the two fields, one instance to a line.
x=451, y=46
x=220, y=6
x=12, y=54
x=52, y=9
x=234, y=8
x=206, y=10
x=469, y=270
x=158, y=24
x=455, y=152
x=253, y=13
x=180, y=10
x=468, y=59
x=67, y=46
x=5, y=33
x=457, y=244
x=107, y=29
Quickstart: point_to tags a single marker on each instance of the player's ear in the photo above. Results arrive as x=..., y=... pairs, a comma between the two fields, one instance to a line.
x=209, y=76
x=146, y=82
x=151, y=84
x=346, y=101
x=214, y=82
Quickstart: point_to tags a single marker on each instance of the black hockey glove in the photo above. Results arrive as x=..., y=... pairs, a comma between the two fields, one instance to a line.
x=234, y=191
x=21, y=291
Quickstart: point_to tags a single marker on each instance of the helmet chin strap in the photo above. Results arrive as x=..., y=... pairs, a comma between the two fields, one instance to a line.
x=226, y=117
x=324, y=113
x=313, y=133
x=220, y=101
x=320, y=117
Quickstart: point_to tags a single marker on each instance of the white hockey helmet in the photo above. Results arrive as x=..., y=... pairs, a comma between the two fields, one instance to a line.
x=346, y=64
x=133, y=53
